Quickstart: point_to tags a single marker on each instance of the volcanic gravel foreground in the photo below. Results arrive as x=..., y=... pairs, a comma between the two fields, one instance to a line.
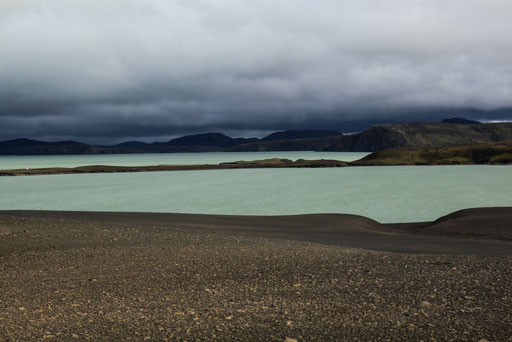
x=71, y=276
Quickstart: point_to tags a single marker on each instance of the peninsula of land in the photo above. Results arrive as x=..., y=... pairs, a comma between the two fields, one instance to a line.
x=265, y=163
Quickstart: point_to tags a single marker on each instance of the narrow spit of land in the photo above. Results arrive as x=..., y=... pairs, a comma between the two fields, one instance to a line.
x=139, y=276
x=265, y=163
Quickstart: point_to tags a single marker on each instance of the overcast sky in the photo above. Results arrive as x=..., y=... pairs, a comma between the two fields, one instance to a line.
x=100, y=71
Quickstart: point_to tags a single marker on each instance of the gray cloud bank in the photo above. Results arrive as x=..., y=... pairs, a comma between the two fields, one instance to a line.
x=99, y=70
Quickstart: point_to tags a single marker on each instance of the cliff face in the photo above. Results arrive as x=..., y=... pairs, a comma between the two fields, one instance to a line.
x=421, y=135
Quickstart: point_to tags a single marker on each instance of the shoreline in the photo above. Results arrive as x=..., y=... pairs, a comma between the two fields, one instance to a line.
x=254, y=164
x=467, y=231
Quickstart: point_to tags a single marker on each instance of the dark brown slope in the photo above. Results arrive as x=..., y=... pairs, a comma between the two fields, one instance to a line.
x=421, y=135
x=333, y=229
x=485, y=153
x=478, y=223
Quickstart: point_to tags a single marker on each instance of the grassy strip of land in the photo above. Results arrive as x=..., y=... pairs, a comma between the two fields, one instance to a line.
x=488, y=153
x=266, y=163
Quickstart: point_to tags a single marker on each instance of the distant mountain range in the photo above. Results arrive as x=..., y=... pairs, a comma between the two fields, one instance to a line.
x=415, y=135
x=35, y=147
x=208, y=142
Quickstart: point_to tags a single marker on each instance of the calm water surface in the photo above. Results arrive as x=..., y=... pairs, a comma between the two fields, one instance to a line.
x=31, y=162
x=386, y=194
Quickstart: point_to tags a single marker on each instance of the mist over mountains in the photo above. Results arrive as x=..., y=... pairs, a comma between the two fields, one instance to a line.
x=151, y=70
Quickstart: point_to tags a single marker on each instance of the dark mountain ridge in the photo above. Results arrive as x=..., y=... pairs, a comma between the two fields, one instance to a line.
x=208, y=139
x=206, y=142
x=421, y=135
x=24, y=146
x=289, y=135
x=380, y=137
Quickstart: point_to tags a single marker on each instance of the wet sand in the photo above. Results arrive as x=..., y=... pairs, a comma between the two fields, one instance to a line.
x=134, y=276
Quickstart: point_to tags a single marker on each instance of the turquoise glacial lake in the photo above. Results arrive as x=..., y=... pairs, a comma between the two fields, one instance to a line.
x=386, y=194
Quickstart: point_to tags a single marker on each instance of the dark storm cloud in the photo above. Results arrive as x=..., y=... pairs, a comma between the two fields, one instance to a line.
x=152, y=68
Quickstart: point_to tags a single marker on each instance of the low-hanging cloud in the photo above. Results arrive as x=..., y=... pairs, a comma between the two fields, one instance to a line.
x=100, y=70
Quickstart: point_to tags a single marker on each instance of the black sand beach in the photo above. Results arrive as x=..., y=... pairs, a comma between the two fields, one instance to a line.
x=135, y=276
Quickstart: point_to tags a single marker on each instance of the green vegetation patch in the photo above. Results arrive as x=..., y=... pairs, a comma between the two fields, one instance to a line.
x=488, y=153
x=504, y=158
